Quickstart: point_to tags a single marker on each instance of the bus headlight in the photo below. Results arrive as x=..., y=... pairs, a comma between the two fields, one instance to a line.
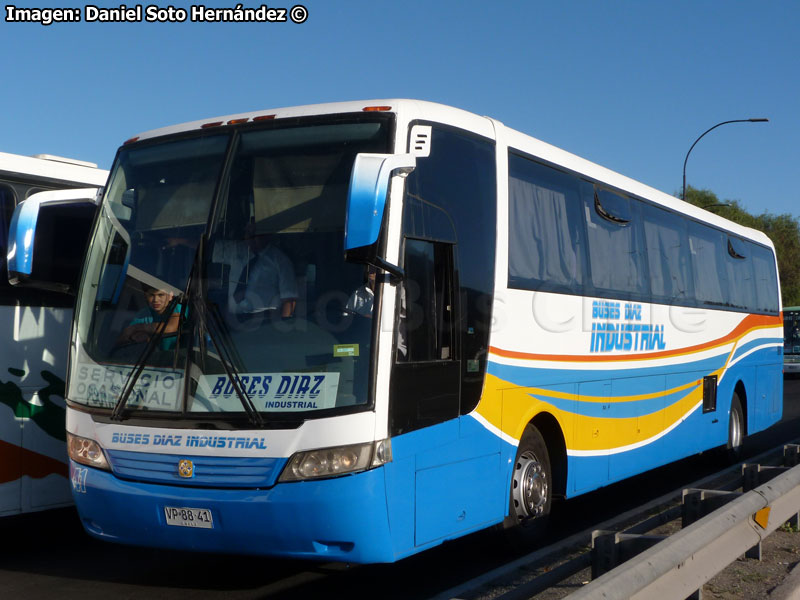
x=340, y=460
x=86, y=452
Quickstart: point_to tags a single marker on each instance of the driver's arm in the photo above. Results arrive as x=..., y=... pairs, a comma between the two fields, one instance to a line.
x=141, y=332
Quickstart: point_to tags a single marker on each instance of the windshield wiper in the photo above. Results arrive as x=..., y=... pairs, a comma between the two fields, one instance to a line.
x=217, y=336
x=138, y=367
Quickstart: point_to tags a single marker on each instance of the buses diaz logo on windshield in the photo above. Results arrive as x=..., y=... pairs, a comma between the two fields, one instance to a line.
x=186, y=468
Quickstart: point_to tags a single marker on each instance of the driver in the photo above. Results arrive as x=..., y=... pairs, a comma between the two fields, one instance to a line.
x=266, y=282
x=153, y=318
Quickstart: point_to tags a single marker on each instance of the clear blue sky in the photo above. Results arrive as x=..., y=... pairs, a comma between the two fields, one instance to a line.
x=627, y=84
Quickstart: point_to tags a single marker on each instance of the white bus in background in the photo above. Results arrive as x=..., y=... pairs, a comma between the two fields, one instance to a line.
x=34, y=332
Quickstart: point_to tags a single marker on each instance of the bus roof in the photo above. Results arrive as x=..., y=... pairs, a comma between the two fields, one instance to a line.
x=46, y=167
x=418, y=108
x=69, y=161
x=423, y=110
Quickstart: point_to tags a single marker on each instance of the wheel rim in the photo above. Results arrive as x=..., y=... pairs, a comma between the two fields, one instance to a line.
x=530, y=487
x=736, y=429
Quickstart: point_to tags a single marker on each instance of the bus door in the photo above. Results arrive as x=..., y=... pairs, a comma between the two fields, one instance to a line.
x=446, y=475
x=426, y=377
x=447, y=254
x=40, y=341
x=425, y=391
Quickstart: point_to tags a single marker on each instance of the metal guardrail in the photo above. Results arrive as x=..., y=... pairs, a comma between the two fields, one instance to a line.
x=679, y=566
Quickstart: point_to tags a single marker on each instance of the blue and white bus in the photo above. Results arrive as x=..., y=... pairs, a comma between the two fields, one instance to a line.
x=474, y=323
x=34, y=327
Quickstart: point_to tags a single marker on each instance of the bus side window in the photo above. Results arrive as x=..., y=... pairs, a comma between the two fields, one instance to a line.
x=617, y=253
x=766, y=279
x=425, y=329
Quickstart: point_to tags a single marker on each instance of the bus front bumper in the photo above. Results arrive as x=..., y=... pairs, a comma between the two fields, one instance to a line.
x=340, y=519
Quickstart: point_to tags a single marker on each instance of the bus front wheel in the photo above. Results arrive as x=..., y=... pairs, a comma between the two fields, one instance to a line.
x=531, y=491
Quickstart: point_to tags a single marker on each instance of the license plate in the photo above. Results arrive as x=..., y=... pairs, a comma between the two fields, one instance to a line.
x=189, y=517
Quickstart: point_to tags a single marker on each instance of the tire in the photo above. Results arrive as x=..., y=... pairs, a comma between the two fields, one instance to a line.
x=735, y=430
x=531, y=493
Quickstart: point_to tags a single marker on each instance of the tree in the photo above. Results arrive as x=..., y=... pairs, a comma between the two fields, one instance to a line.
x=783, y=230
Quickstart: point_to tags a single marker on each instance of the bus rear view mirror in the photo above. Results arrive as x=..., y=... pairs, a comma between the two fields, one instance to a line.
x=366, y=198
x=47, y=239
x=129, y=198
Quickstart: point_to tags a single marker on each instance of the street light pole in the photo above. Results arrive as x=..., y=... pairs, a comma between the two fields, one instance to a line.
x=683, y=195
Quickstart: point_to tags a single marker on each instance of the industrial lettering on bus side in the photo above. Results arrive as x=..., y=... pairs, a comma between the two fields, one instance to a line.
x=627, y=337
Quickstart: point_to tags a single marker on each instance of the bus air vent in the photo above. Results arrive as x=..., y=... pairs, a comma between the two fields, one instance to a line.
x=420, y=144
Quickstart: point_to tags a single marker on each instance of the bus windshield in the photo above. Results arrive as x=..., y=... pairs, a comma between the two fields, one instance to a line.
x=216, y=281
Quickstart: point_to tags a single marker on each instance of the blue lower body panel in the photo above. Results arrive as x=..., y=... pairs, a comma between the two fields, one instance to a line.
x=341, y=519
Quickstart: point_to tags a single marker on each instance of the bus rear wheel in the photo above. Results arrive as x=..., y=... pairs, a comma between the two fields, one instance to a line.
x=531, y=491
x=735, y=429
